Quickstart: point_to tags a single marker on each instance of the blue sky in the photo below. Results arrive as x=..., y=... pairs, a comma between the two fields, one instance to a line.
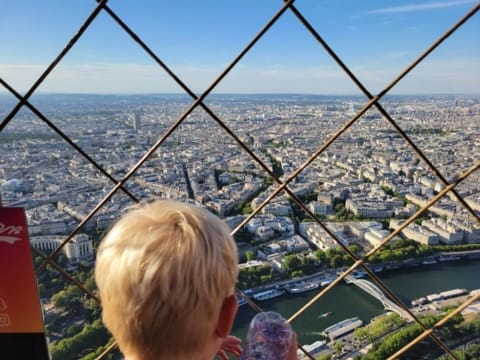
x=197, y=39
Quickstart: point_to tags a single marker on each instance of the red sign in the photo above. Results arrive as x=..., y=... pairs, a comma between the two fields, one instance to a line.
x=21, y=321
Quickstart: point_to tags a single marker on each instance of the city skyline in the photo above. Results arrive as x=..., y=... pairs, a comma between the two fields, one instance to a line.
x=363, y=188
x=197, y=41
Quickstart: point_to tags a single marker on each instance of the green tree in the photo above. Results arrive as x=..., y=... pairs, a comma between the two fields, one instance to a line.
x=73, y=330
x=355, y=249
x=379, y=327
x=338, y=347
x=324, y=357
x=94, y=309
x=265, y=279
x=296, y=273
x=91, y=336
x=247, y=209
x=309, y=264
x=90, y=284
x=59, y=299
x=339, y=207
x=291, y=262
x=252, y=276
x=264, y=270
x=250, y=255
x=70, y=299
x=320, y=255
x=336, y=261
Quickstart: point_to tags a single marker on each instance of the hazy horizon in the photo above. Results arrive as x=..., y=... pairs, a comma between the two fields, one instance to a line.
x=6, y=93
x=376, y=40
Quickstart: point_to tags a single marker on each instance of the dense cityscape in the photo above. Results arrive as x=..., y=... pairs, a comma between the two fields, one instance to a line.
x=362, y=187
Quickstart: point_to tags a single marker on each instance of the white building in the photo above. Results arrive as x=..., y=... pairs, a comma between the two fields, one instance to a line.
x=371, y=208
x=264, y=232
x=376, y=236
x=358, y=229
x=320, y=208
x=322, y=239
x=294, y=244
x=79, y=248
x=416, y=232
x=448, y=233
x=278, y=208
x=137, y=122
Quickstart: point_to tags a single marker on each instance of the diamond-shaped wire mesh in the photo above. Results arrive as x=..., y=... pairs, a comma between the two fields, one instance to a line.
x=125, y=185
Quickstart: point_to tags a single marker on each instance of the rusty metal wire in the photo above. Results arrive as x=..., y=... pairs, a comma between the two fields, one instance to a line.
x=373, y=101
x=54, y=63
x=65, y=274
x=379, y=246
x=107, y=351
x=172, y=129
x=198, y=101
x=409, y=68
x=66, y=138
x=438, y=325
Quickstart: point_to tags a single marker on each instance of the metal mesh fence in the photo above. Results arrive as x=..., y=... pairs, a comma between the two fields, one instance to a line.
x=120, y=184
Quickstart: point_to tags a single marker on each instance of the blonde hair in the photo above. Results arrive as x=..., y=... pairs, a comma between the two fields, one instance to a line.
x=163, y=272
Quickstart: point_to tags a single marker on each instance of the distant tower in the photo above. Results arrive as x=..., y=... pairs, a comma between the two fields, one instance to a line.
x=149, y=138
x=136, y=122
x=351, y=109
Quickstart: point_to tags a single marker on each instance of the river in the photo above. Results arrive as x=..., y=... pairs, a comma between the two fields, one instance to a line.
x=346, y=301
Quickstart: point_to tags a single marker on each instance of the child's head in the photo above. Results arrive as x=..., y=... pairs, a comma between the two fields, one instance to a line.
x=164, y=272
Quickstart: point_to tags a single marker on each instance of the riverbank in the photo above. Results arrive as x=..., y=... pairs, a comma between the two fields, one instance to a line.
x=345, y=301
x=325, y=277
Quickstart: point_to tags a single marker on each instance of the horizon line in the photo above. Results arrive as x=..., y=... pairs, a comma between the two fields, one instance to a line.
x=3, y=93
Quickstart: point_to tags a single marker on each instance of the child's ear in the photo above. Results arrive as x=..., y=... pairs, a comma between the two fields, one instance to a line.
x=227, y=316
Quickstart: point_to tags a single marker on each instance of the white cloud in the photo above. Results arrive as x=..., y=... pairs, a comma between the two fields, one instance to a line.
x=397, y=54
x=454, y=75
x=102, y=78
x=420, y=6
x=135, y=78
x=20, y=76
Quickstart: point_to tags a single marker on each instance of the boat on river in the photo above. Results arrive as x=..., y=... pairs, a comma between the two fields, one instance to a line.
x=449, y=258
x=326, y=281
x=357, y=274
x=420, y=301
x=268, y=294
x=241, y=300
x=328, y=313
x=429, y=261
x=302, y=287
x=343, y=327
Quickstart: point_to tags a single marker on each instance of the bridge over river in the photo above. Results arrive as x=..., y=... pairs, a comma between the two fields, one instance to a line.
x=373, y=290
